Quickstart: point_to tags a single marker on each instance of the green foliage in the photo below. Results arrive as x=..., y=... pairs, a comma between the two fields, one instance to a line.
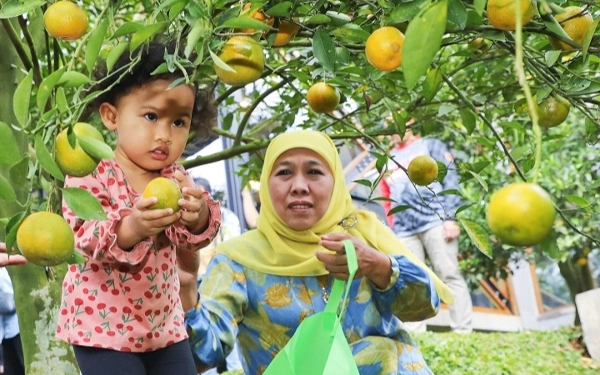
x=522, y=353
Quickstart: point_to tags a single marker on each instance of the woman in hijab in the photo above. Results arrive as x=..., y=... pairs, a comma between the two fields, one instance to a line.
x=262, y=284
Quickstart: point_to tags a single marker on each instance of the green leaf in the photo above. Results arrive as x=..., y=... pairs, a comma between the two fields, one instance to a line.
x=364, y=182
x=76, y=258
x=198, y=31
x=479, y=236
x=468, y=119
x=114, y=55
x=12, y=227
x=581, y=202
x=127, y=28
x=220, y=63
x=324, y=50
x=338, y=19
x=146, y=32
x=18, y=172
x=97, y=149
x=457, y=13
x=550, y=57
x=8, y=144
x=480, y=179
x=7, y=192
x=399, y=208
x=317, y=19
x=432, y=83
x=587, y=39
x=46, y=160
x=14, y=8
x=351, y=32
x=21, y=99
x=92, y=48
x=549, y=245
x=46, y=87
x=423, y=41
x=73, y=79
x=176, y=8
x=61, y=100
x=83, y=204
x=281, y=9
x=406, y=11
x=244, y=22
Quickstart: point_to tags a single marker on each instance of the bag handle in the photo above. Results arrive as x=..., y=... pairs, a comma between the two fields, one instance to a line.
x=335, y=297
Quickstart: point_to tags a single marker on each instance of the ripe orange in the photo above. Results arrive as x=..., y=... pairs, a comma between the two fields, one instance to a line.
x=552, y=111
x=167, y=192
x=245, y=56
x=287, y=31
x=65, y=20
x=257, y=14
x=75, y=161
x=422, y=170
x=502, y=13
x=384, y=48
x=521, y=214
x=322, y=97
x=45, y=239
x=576, y=23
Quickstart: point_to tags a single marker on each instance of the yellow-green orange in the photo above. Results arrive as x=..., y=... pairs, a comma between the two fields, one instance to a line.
x=384, y=48
x=65, y=20
x=576, y=23
x=75, y=161
x=552, y=111
x=422, y=170
x=45, y=239
x=285, y=32
x=167, y=192
x=322, y=97
x=244, y=55
x=502, y=13
x=521, y=214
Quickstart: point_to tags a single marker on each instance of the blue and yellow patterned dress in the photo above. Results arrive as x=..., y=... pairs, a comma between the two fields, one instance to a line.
x=264, y=310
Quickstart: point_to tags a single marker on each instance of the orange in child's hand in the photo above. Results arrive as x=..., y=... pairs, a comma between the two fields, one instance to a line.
x=167, y=192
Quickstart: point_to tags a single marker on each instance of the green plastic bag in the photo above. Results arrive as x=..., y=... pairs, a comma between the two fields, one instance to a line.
x=319, y=347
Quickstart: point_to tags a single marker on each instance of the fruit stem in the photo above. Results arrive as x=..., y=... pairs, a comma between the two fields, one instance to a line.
x=520, y=72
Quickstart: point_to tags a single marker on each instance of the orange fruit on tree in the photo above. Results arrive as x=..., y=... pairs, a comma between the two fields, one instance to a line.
x=576, y=23
x=322, y=97
x=502, y=13
x=521, y=214
x=244, y=55
x=422, y=170
x=65, y=20
x=285, y=32
x=257, y=14
x=552, y=110
x=75, y=161
x=384, y=48
x=45, y=239
x=167, y=191
x=478, y=45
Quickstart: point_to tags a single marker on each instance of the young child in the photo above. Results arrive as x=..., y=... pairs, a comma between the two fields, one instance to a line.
x=121, y=309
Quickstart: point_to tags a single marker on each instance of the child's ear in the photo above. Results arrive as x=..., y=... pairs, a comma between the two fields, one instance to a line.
x=108, y=113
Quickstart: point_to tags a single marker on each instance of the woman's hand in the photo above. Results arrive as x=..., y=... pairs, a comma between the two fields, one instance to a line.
x=373, y=264
x=194, y=210
x=10, y=260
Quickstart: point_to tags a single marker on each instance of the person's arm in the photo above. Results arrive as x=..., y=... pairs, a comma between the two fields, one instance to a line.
x=212, y=322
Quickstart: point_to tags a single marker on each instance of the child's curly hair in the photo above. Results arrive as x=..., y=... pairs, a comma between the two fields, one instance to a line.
x=131, y=72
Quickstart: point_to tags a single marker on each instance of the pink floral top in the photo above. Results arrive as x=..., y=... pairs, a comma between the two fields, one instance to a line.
x=124, y=300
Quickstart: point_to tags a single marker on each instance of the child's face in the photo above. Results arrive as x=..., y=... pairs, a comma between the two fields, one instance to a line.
x=152, y=124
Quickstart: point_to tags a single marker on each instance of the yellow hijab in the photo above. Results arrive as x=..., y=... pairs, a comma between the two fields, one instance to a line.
x=276, y=249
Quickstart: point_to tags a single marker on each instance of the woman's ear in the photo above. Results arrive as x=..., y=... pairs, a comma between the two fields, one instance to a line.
x=108, y=113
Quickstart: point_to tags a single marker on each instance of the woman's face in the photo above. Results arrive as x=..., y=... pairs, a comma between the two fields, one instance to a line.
x=300, y=186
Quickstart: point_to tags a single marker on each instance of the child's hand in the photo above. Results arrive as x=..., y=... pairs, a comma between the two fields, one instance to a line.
x=194, y=211
x=146, y=222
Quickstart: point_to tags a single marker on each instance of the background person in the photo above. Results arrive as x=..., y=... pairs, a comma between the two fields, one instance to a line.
x=261, y=284
x=428, y=227
x=133, y=325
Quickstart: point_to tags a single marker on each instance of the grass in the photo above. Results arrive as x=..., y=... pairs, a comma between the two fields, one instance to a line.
x=524, y=353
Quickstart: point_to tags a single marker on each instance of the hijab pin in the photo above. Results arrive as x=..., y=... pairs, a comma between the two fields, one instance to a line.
x=349, y=222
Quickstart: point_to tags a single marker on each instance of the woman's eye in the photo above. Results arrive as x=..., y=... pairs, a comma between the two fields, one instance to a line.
x=283, y=172
x=150, y=116
x=315, y=171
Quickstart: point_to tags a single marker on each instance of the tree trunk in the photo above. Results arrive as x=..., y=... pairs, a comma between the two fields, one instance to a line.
x=579, y=278
x=36, y=295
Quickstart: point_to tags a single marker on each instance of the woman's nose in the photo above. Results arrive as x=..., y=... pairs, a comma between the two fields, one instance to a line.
x=299, y=185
